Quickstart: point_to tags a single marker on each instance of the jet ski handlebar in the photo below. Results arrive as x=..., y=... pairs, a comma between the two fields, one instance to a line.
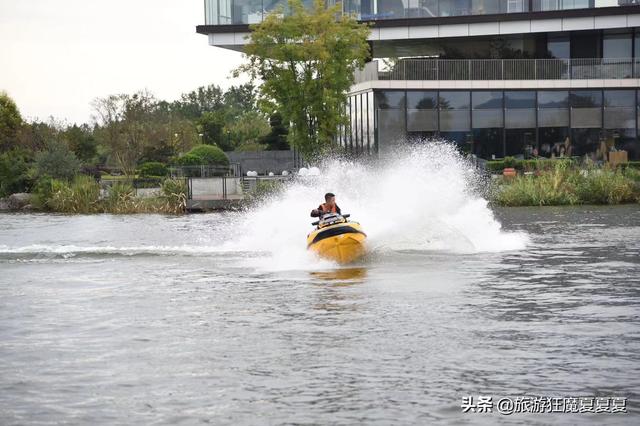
x=317, y=222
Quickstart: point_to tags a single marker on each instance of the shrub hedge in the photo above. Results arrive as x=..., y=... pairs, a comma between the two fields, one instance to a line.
x=206, y=154
x=152, y=168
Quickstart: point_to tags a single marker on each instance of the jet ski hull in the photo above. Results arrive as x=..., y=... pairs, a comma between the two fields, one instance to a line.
x=342, y=243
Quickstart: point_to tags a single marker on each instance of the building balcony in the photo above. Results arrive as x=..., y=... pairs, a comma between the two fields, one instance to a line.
x=245, y=12
x=425, y=69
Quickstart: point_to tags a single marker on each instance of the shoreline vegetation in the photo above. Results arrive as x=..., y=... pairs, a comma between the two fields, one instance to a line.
x=564, y=182
x=84, y=195
x=541, y=183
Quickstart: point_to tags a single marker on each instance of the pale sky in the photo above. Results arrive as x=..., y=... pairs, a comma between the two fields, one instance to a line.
x=56, y=56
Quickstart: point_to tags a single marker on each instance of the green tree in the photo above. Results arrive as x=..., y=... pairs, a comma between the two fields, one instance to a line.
x=306, y=60
x=239, y=100
x=57, y=161
x=249, y=128
x=34, y=136
x=14, y=172
x=276, y=140
x=211, y=124
x=10, y=122
x=195, y=103
x=126, y=126
x=210, y=155
x=81, y=141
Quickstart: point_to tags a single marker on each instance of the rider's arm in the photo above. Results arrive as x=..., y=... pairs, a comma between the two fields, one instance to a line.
x=317, y=212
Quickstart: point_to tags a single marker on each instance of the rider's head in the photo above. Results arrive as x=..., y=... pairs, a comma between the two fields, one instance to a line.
x=330, y=198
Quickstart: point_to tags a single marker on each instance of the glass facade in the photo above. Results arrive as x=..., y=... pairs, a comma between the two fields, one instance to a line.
x=498, y=123
x=359, y=136
x=225, y=12
x=422, y=114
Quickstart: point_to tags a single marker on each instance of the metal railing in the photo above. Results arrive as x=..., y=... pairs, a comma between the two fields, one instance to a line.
x=205, y=171
x=502, y=69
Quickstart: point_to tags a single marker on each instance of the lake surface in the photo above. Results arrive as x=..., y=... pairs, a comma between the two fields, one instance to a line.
x=157, y=320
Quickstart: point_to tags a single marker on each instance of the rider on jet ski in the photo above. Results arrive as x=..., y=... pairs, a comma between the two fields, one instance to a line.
x=329, y=206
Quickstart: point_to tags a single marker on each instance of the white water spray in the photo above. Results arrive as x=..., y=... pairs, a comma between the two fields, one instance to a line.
x=419, y=199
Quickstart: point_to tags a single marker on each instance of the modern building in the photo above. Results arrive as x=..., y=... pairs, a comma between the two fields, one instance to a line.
x=497, y=77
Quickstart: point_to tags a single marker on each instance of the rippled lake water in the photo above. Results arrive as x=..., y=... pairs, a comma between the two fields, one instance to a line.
x=151, y=320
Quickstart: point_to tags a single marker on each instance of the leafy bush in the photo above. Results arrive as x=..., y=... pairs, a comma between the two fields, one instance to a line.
x=497, y=166
x=83, y=196
x=174, y=194
x=41, y=192
x=80, y=196
x=604, y=186
x=550, y=188
x=210, y=155
x=57, y=161
x=188, y=160
x=120, y=199
x=153, y=168
x=15, y=173
x=509, y=162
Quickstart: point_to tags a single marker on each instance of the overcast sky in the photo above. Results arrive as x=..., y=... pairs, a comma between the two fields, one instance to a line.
x=56, y=56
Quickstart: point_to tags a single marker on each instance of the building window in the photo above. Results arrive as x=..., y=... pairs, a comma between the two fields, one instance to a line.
x=585, y=44
x=422, y=114
x=553, y=120
x=391, y=110
x=520, y=123
x=620, y=120
x=391, y=9
x=586, y=122
x=371, y=144
x=520, y=112
x=390, y=99
x=454, y=111
x=520, y=142
x=617, y=45
x=455, y=7
x=558, y=46
x=586, y=109
x=486, y=7
x=423, y=8
x=550, y=139
x=553, y=108
x=455, y=117
x=617, y=51
x=487, y=122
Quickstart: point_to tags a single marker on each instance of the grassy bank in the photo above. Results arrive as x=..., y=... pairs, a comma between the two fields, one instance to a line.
x=567, y=184
x=83, y=195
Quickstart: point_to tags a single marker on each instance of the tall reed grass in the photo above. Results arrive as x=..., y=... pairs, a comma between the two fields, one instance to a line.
x=83, y=195
x=568, y=185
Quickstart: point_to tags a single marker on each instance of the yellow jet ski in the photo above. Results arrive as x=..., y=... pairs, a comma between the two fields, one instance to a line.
x=337, y=239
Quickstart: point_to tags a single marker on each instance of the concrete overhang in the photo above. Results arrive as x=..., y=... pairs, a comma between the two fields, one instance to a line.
x=626, y=83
